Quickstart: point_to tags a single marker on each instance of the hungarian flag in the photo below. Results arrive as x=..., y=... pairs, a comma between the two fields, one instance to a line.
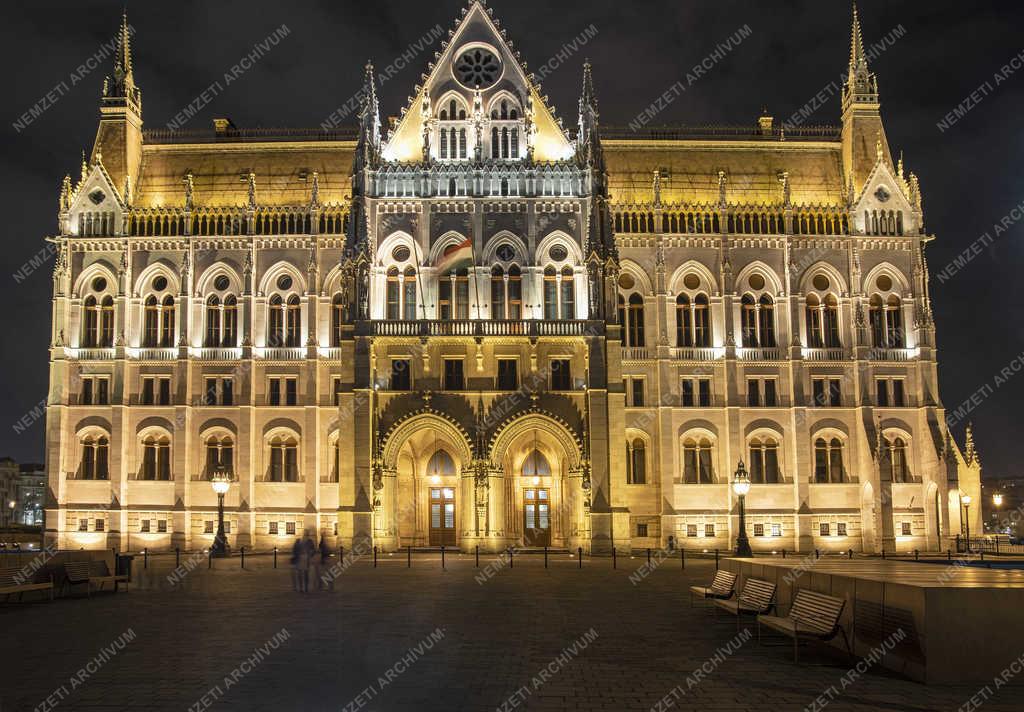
x=456, y=257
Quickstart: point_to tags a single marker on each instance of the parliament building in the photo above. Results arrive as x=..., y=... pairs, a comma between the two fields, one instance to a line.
x=474, y=324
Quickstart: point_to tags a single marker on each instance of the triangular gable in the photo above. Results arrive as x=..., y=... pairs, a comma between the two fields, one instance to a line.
x=883, y=191
x=97, y=181
x=477, y=27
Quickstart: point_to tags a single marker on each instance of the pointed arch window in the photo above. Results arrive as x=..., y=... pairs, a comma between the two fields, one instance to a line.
x=636, y=462
x=156, y=458
x=634, y=325
x=536, y=465
x=898, y=463
x=229, y=337
x=764, y=461
x=766, y=322
x=213, y=334
x=697, y=462
x=293, y=322
x=701, y=322
x=91, y=322
x=498, y=292
x=823, y=322
x=568, y=294
x=106, y=335
x=748, y=321
x=337, y=319
x=284, y=459
x=95, y=458
x=275, y=321
x=828, y=461
x=684, y=321
x=440, y=464
x=220, y=453
x=151, y=323
x=886, y=321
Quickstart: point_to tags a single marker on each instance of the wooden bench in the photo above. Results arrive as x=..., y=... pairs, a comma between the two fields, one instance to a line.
x=81, y=572
x=722, y=587
x=13, y=581
x=756, y=598
x=812, y=616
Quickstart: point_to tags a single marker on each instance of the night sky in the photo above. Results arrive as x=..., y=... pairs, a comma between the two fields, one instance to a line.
x=968, y=175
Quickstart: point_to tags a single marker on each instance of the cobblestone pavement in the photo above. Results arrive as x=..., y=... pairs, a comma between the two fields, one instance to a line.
x=393, y=638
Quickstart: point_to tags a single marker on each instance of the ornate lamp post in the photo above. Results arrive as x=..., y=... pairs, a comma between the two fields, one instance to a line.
x=741, y=486
x=221, y=482
x=966, y=499
x=10, y=518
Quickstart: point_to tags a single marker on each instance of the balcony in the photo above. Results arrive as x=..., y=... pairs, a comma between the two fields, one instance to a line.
x=893, y=355
x=767, y=354
x=824, y=354
x=282, y=354
x=94, y=354
x=635, y=353
x=217, y=354
x=685, y=353
x=532, y=328
x=156, y=354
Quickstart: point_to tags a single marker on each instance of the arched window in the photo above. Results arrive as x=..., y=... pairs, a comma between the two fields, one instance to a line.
x=91, y=322
x=636, y=462
x=495, y=146
x=292, y=322
x=634, y=330
x=823, y=322
x=462, y=143
x=284, y=459
x=766, y=322
x=394, y=295
x=409, y=294
x=275, y=321
x=830, y=322
x=748, y=321
x=568, y=294
x=444, y=142
x=95, y=458
x=453, y=295
x=764, y=461
x=230, y=333
x=451, y=108
x=440, y=464
x=758, y=321
x=167, y=322
x=886, y=321
x=550, y=293
x=899, y=467
x=213, y=337
x=151, y=323
x=697, y=465
x=536, y=465
x=684, y=321
x=220, y=454
x=156, y=458
x=106, y=335
x=498, y=288
x=701, y=322
x=515, y=292
x=337, y=318
x=828, y=461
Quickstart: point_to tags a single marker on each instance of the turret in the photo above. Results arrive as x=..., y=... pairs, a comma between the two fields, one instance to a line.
x=862, y=118
x=119, y=137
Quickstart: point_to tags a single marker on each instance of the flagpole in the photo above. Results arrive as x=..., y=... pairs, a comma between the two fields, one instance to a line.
x=476, y=284
x=419, y=282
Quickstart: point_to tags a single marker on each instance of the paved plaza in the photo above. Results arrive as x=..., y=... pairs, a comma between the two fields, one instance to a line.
x=394, y=638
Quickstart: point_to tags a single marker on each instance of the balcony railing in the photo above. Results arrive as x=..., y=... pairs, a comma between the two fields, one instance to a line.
x=530, y=327
x=824, y=354
x=217, y=354
x=769, y=354
x=157, y=354
x=686, y=353
x=635, y=353
x=899, y=355
x=283, y=354
x=94, y=354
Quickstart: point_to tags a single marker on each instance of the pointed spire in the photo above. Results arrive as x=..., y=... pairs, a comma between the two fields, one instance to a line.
x=252, y=191
x=190, y=191
x=127, y=193
x=369, y=122
x=85, y=171
x=861, y=84
x=314, y=198
x=589, y=97
x=123, y=55
x=970, y=451
x=65, y=194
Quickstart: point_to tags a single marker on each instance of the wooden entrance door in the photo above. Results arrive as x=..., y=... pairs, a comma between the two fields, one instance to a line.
x=442, y=516
x=536, y=517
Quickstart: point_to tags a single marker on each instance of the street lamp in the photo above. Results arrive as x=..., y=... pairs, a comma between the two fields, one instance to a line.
x=11, y=505
x=966, y=499
x=741, y=485
x=997, y=500
x=221, y=482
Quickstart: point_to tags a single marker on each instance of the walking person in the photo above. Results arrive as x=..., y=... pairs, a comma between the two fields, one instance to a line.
x=296, y=561
x=322, y=561
x=306, y=558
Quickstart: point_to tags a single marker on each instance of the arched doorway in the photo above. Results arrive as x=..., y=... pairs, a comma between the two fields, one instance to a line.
x=536, y=500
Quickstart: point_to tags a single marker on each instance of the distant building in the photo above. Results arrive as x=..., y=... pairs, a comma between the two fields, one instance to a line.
x=1001, y=504
x=31, y=487
x=8, y=490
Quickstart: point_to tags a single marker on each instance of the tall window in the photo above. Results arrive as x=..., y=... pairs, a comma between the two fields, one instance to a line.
x=568, y=294
x=106, y=336
x=409, y=294
x=693, y=321
x=498, y=293
x=453, y=295
x=292, y=322
x=636, y=462
x=764, y=461
x=886, y=321
x=167, y=322
x=284, y=459
x=684, y=321
x=156, y=458
x=758, y=321
x=91, y=322
x=697, y=467
x=823, y=322
x=899, y=467
x=229, y=335
x=634, y=323
x=213, y=337
x=337, y=318
x=828, y=460
x=95, y=458
x=394, y=295
x=220, y=453
x=550, y=293
x=275, y=321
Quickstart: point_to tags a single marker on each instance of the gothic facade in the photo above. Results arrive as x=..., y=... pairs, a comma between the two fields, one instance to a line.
x=476, y=326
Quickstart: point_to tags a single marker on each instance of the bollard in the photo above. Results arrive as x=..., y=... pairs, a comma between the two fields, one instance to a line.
x=849, y=554
x=177, y=557
x=817, y=554
x=883, y=553
x=916, y=555
x=580, y=552
x=510, y=551
x=408, y=556
x=949, y=555
x=478, y=556
x=997, y=543
x=682, y=558
x=545, y=556
x=209, y=557
x=716, y=559
x=275, y=557
x=242, y=551
x=374, y=557
x=982, y=552
x=614, y=562
x=783, y=553
x=145, y=558
x=442, y=556
x=648, y=556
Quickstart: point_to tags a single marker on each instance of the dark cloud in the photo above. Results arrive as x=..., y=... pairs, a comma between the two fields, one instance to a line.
x=968, y=174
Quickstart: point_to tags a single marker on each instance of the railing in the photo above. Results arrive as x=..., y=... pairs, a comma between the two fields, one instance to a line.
x=824, y=355
x=94, y=354
x=751, y=132
x=635, y=353
x=758, y=354
x=218, y=354
x=157, y=354
x=891, y=355
x=235, y=135
x=988, y=544
x=685, y=353
x=284, y=354
x=531, y=328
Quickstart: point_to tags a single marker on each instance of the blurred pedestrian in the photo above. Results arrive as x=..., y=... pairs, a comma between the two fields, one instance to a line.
x=321, y=561
x=308, y=552
x=296, y=562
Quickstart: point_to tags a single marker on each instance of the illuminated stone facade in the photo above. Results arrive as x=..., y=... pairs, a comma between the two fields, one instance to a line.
x=479, y=327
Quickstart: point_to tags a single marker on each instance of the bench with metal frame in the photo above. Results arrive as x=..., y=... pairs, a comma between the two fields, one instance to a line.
x=813, y=616
x=723, y=587
x=80, y=572
x=756, y=598
x=10, y=584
